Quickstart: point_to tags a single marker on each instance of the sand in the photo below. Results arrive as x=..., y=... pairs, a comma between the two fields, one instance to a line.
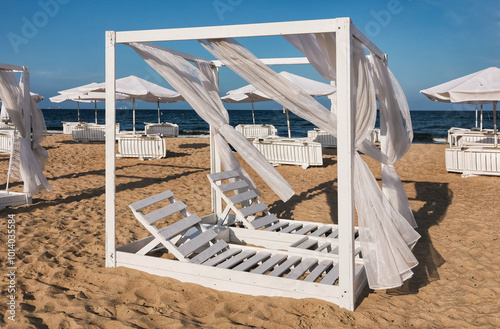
x=62, y=282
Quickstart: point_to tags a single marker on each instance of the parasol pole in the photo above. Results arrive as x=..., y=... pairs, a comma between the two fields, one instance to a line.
x=287, y=122
x=78, y=109
x=495, y=123
x=133, y=115
x=159, y=121
x=253, y=115
x=481, y=117
x=476, y=115
x=95, y=110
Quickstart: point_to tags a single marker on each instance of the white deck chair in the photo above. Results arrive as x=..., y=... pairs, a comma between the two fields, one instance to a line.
x=250, y=212
x=192, y=242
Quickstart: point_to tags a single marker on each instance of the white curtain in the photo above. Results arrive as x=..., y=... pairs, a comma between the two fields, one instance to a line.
x=29, y=156
x=200, y=91
x=387, y=236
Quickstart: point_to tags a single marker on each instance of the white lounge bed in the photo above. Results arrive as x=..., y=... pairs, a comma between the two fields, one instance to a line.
x=144, y=147
x=90, y=132
x=165, y=129
x=256, y=131
x=6, y=138
x=473, y=160
x=68, y=126
x=458, y=136
x=327, y=140
x=322, y=137
x=294, y=151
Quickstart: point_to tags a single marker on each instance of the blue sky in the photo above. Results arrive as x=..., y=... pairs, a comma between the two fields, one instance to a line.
x=428, y=42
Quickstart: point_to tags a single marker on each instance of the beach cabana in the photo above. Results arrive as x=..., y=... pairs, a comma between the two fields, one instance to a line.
x=336, y=49
x=28, y=157
x=472, y=151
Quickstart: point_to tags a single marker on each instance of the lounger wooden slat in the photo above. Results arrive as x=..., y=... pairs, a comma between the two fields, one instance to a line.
x=237, y=259
x=302, y=268
x=335, y=250
x=151, y=200
x=239, y=184
x=334, y=234
x=253, y=209
x=291, y=227
x=166, y=211
x=245, y=196
x=179, y=227
x=331, y=276
x=324, y=246
x=269, y=264
x=285, y=266
x=209, y=252
x=200, y=240
x=221, y=257
x=252, y=261
x=263, y=221
x=306, y=229
x=308, y=243
x=224, y=175
x=321, y=230
x=318, y=270
x=276, y=226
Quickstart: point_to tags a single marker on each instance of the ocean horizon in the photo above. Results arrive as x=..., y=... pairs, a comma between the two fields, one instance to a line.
x=429, y=126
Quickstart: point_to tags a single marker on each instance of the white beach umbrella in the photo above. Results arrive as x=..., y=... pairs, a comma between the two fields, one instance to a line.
x=250, y=94
x=481, y=87
x=85, y=98
x=137, y=88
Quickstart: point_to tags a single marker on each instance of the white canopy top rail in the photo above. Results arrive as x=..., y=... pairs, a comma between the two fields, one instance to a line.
x=345, y=32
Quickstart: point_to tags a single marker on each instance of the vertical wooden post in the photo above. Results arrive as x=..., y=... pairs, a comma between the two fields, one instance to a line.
x=110, y=150
x=215, y=165
x=27, y=102
x=345, y=155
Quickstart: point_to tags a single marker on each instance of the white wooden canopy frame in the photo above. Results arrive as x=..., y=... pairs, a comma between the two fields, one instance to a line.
x=8, y=198
x=349, y=286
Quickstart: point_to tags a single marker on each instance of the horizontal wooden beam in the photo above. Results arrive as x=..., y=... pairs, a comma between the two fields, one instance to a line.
x=275, y=61
x=229, y=31
x=11, y=67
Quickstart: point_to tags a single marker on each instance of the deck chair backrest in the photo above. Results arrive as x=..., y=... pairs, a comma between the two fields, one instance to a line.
x=241, y=199
x=183, y=238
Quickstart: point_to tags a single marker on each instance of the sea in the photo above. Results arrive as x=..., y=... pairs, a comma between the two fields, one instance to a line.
x=428, y=126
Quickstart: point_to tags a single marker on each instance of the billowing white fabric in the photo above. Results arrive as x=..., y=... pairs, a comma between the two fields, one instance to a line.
x=198, y=90
x=391, y=225
x=395, y=125
x=29, y=158
x=395, y=113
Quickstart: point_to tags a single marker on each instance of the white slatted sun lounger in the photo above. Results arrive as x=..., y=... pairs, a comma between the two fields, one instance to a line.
x=293, y=151
x=164, y=129
x=243, y=207
x=143, y=147
x=256, y=131
x=204, y=255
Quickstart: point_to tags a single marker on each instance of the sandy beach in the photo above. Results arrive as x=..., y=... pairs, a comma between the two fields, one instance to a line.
x=62, y=282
